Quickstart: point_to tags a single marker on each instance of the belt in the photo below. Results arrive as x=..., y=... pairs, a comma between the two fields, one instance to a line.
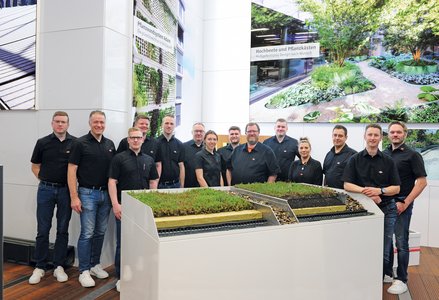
x=92, y=187
x=53, y=184
x=170, y=181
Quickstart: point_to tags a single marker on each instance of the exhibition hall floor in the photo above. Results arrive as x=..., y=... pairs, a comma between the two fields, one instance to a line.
x=423, y=283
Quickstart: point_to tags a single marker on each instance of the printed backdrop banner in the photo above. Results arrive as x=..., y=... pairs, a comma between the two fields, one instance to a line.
x=17, y=54
x=307, y=66
x=154, y=60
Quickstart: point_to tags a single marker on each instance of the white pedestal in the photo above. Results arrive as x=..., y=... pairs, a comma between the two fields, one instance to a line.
x=333, y=259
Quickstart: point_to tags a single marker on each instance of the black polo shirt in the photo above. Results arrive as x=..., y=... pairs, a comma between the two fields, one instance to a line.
x=132, y=172
x=311, y=172
x=93, y=160
x=285, y=151
x=334, y=164
x=377, y=171
x=410, y=166
x=149, y=146
x=225, y=153
x=254, y=166
x=53, y=155
x=211, y=165
x=190, y=149
x=169, y=153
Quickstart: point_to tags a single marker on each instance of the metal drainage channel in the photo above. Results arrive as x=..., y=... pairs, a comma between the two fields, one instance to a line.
x=211, y=228
x=335, y=215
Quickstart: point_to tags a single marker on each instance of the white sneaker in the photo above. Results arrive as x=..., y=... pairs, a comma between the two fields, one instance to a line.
x=86, y=280
x=98, y=272
x=397, y=287
x=387, y=279
x=60, y=275
x=37, y=274
x=118, y=286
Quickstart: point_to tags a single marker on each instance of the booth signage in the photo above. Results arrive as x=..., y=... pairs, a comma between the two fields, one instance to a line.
x=285, y=52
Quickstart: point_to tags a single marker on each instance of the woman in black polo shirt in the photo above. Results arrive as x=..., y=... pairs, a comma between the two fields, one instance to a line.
x=306, y=169
x=208, y=162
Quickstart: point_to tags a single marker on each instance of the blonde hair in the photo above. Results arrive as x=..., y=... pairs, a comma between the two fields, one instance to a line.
x=303, y=140
x=133, y=129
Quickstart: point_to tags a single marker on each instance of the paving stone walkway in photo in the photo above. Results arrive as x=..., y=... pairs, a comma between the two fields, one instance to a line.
x=389, y=92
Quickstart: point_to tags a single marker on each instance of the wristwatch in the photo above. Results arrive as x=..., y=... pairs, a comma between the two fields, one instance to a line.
x=383, y=191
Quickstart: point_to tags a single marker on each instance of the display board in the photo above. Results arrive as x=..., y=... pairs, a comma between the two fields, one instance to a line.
x=330, y=61
x=17, y=54
x=154, y=60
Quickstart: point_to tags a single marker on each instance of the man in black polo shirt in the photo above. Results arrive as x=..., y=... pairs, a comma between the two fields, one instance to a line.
x=88, y=166
x=337, y=158
x=129, y=170
x=252, y=161
x=191, y=148
x=412, y=173
x=49, y=165
x=149, y=145
x=170, y=157
x=226, y=151
x=284, y=147
x=374, y=174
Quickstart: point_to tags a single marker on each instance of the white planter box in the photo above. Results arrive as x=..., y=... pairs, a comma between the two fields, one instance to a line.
x=331, y=259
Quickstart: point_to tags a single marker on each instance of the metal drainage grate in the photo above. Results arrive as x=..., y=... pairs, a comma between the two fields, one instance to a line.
x=211, y=228
x=333, y=215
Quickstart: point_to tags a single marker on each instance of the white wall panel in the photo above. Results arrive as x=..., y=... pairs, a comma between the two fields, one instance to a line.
x=118, y=16
x=227, y=45
x=224, y=9
x=116, y=73
x=421, y=215
x=433, y=228
x=70, y=69
x=18, y=132
x=62, y=15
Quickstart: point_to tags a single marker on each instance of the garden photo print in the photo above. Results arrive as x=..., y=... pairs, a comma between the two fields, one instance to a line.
x=333, y=61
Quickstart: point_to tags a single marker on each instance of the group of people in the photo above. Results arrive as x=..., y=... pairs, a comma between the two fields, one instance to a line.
x=87, y=174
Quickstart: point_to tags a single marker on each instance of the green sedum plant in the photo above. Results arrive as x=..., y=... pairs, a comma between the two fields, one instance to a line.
x=192, y=202
x=280, y=189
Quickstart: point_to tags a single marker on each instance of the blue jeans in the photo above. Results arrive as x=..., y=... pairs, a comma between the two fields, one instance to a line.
x=402, y=226
x=390, y=215
x=47, y=198
x=96, y=208
x=117, y=254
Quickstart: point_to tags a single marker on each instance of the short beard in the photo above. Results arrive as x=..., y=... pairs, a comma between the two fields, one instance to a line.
x=252, y=142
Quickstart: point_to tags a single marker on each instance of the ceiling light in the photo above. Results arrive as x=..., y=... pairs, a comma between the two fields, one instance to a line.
x=266, y=35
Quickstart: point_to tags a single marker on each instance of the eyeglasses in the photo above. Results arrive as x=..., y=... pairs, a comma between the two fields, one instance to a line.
x=136, y=137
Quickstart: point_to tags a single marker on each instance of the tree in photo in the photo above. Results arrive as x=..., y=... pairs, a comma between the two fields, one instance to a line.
x=411, y=26
x=344, y=27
